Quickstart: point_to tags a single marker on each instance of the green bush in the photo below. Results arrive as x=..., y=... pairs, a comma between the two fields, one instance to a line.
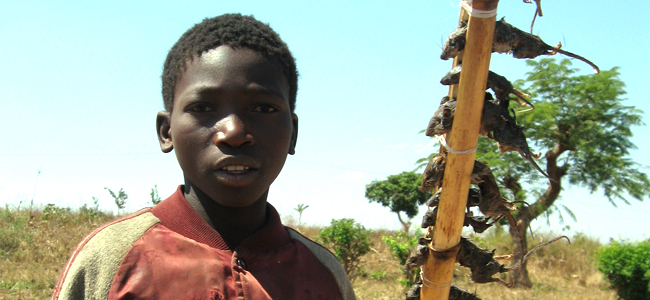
x=627, y=268
x=349, y=241
x=400, y=248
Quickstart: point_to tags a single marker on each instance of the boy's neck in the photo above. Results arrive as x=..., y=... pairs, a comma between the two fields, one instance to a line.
x=234, y=224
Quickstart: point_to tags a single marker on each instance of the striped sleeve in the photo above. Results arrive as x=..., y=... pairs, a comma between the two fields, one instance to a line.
x=89, y=272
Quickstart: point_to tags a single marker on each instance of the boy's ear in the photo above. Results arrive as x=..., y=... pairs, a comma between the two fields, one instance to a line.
x=294, y=134
x=163, y=121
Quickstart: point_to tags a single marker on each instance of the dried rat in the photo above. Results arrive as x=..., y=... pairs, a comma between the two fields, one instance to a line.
x=492, y=203
x=456, y=293
x=500, y=85
x=494, y=116
x=473, y=198
x=455, y=43
x=511, y=138
x=419, y=255
x=498, y=124
x=441, y=121
x=483, y=265
x=433, y=173
x=508, y=39
x=414, y=292
x=480, y=223
x=429, y=218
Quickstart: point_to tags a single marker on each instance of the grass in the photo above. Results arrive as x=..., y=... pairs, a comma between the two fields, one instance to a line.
x=35, y=246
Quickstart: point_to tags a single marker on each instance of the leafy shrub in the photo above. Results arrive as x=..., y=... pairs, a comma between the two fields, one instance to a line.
x=627, y=268
x=400, y=249
x=51, y=212
x=349, y=241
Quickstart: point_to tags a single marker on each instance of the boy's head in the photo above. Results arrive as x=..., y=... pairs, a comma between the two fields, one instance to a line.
x=232, y=30
x=229, y=87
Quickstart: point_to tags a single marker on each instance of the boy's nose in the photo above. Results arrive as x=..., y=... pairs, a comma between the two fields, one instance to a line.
x=231, y=131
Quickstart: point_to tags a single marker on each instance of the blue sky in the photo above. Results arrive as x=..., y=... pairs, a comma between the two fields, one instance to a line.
x=80, y=88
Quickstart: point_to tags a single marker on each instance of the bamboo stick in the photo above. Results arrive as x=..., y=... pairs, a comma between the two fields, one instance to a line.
x=439, y=268
x=453, y=89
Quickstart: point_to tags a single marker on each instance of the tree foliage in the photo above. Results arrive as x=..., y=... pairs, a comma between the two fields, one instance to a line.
x=583, y=119
x=400, y=193
x=583, y=130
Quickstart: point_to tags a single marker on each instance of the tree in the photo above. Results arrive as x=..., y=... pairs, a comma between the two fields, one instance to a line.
x=155, y=198
x=583, y=130
x=300, y=209
x=400, y=193
x=120, y=198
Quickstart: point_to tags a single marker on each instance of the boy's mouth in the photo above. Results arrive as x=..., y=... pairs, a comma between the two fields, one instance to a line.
x=236, y=168
x=237, y=171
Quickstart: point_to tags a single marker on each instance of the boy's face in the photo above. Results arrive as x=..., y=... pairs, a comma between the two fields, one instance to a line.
x=231, y=124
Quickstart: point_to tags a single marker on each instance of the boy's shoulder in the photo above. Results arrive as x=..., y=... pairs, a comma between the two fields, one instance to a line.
x=328, y=259
x=89, y=272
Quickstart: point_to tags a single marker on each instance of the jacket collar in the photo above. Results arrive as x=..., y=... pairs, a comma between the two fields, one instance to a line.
x=178, y=215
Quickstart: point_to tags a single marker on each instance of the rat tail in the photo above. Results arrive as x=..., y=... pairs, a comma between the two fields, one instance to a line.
x=569, y=54
x=518, y=264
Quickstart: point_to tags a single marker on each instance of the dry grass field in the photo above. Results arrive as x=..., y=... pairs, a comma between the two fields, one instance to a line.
x=33, y=248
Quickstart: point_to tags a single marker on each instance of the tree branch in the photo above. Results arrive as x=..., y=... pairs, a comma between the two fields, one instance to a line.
x=405, y=224
x=555, y=174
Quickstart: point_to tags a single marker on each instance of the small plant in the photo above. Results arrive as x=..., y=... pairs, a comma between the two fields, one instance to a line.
x=155, y=199
x=400, y=249
x=301, y=208
x=349, y=241
x=120, y=198
x=51, y=212
x=378, y=275
x=627, y=268
x=90, y=211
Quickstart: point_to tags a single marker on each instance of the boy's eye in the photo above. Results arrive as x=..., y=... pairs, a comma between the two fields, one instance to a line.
x=264, y=108
x=199, y=108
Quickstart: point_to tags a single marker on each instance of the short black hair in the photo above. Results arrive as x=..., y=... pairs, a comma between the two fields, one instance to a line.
x=233, y=30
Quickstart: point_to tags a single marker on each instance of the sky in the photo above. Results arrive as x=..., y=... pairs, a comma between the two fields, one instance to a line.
x=80, y=89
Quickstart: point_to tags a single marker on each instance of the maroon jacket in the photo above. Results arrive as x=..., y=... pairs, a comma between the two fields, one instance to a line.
x=170, y=252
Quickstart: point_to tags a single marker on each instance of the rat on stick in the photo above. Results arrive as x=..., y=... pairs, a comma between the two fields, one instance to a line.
x=473, y=198
x=482, y=262
x=414, y=291
x=433, y=173
x=496, y=123
x=442, y=119
x=455, y=293
x=419, y=255
x=492, y=203
x=500, y=85
x=508, y=39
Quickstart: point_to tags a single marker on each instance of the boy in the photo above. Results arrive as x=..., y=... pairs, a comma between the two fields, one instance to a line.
x=229, y=88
